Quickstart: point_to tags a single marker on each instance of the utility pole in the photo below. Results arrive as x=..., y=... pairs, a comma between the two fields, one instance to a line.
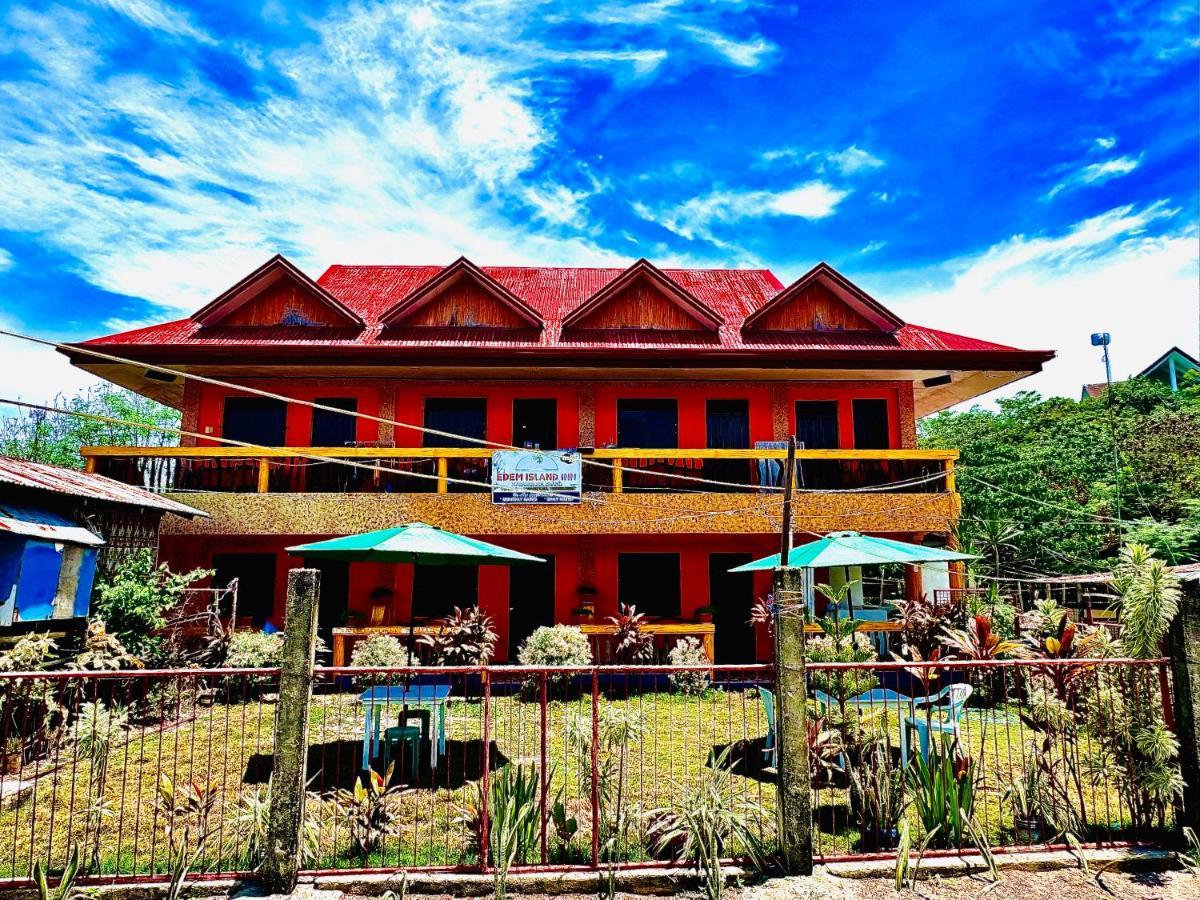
x=1102, y=339
x=793, y=781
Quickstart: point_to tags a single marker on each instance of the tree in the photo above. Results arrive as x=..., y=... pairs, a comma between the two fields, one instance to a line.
x=41, y=436
x=1045, y=467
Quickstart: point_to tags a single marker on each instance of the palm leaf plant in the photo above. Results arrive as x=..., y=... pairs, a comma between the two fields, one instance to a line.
x=706, y=824
x=513, y=820
x=942, y=790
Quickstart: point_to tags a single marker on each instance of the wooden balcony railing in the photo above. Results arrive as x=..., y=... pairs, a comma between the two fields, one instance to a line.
x=457, y=470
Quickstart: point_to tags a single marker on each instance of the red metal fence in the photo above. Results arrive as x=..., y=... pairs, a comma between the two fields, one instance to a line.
x=600, y=757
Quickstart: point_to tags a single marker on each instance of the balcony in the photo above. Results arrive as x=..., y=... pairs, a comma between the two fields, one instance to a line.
x=278, y=491
x=375, y=470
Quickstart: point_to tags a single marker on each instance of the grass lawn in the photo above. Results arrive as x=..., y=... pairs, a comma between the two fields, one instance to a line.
x=677, y=738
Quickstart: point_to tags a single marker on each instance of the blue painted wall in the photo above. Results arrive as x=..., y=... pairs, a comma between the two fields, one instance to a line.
x=29, y=574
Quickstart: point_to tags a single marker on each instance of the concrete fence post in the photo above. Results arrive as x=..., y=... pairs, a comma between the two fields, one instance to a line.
x=288, y=777
x=1185, y=671
x=791, y=724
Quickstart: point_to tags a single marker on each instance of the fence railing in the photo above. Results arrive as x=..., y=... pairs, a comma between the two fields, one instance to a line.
x=457, y=470
x=600, y=756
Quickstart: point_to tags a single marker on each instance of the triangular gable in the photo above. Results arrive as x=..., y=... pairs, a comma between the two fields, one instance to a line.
x=823, y=300
x=277, y=293
x=462, y=295
x=643, y=297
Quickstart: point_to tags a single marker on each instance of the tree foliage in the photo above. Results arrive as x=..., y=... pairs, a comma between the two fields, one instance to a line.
x=1045, y=468
x=55, y=438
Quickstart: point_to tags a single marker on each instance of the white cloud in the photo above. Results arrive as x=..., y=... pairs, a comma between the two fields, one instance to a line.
x=6, y=260
x=748, y=54
x=1095, y=173
x=854, y=159
x=1106, y=143
x=696, y=217
x=872, y=247
x=1107, y=273
x=158, y=17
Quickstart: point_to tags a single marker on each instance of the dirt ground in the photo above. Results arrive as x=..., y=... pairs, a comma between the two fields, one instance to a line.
x=1059, y=884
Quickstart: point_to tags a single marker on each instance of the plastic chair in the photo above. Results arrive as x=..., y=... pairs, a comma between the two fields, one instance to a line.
x=770, y=748
x=946, y=710
x=406, y=738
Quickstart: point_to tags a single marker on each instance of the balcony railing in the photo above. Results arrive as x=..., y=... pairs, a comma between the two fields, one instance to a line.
x=299, y=470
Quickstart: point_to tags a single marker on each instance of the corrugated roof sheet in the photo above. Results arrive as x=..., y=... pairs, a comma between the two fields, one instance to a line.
x=370, y=291
x=46, y=526
x=71, y=482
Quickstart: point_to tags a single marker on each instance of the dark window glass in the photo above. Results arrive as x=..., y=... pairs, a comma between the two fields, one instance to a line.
x=438, y=589
x=255, y=420
x=466, y=416
x=535, y=424
x=727, y=423
x=648, y=423
x=330, y=429
x=871, y=431
x=817, y=424
x=650, y=582
x=255, y=574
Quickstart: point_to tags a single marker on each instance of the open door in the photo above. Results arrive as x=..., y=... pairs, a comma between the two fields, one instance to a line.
x=530, y=602
x=732, y=598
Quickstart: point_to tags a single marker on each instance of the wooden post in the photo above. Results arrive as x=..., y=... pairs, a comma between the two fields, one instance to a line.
x=789, y=476
x=264, y=476
x=443, y=469
x=1185, y=669
x=618, y=476
x=794, y=781
x=285, y=819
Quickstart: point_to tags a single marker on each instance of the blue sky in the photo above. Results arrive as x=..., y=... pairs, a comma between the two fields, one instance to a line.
x=1020, y=172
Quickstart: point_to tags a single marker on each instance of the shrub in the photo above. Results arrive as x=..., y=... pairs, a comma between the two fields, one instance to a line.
x=631, y=645
x=689, y=652
x=254, y=650
x=379, y=651
x=560, y=645
x=466, y=638
x=134, y=602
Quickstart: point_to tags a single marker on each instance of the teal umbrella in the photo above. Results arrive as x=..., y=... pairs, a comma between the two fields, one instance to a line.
x=849, y=548
x=415, y=542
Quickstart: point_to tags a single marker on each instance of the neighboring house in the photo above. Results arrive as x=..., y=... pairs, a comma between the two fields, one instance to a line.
x=58, y=527
x=1170, y=369
x=668, y=380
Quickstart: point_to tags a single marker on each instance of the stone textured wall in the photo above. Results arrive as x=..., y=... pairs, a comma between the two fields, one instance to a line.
x=330, y=514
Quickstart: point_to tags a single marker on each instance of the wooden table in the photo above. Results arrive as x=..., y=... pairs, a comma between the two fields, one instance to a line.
x=341, y=636
x=703, y=631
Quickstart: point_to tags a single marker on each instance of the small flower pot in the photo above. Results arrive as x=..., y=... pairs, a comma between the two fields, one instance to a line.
x=12, y=763
x=1027, y=831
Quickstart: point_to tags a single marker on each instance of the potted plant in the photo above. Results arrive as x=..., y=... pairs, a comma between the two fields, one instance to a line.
x=705, y=613
x=1025, y=800
x=14, y=755
x=877, y=797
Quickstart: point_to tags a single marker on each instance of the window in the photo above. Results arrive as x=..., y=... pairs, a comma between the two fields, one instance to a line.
x=330, y=429
x=438, y=589
x=648, y=423
x=255, y=574
x=871, y=429
x=817, y=424
x=535, y=424
x=255, y=420
x=650, y=581
x=466, y=416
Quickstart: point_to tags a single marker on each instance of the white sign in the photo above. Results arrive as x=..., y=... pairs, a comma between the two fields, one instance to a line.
x=536, y=476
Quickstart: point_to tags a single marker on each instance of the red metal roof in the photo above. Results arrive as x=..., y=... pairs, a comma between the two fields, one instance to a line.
x=554, y=293
x=58, y=480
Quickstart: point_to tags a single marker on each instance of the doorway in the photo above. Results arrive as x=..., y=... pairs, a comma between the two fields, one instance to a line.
x=817, y=429
x=530, y=601
x=255, y=574
x=651, y=582
x=732, y=598
x=535, y=424
x=335, y=594
x=727, y=424
x=330, y=429
x=437, y=590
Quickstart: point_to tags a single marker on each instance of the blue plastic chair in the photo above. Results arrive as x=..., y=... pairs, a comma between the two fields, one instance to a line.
x=770, y=748
x=945, y=712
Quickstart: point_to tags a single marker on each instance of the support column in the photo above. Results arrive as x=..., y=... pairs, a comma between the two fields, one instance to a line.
x=791, y=724
x=288, y=777
x=1185, y=669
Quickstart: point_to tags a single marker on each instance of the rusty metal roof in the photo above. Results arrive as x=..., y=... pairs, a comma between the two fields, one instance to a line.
x=71, y=482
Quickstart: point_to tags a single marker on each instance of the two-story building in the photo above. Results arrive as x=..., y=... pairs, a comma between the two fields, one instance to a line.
x=676, y=384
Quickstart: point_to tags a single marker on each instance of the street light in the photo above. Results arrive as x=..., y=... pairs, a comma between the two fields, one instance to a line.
x=1103, y=339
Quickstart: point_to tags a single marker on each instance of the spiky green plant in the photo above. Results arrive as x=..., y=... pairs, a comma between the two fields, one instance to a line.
x=1149, y=594
x=705, y=823
x=97, y=731
x=65, y=889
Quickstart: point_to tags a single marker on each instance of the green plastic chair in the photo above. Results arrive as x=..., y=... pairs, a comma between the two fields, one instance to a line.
x=770, y=751
x=407, y=740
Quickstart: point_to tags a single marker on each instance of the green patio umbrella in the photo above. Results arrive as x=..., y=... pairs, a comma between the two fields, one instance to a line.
x=849, y=548
x=415, y=542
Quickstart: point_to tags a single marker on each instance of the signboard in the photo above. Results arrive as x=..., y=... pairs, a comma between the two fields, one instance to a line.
x=536, y=476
